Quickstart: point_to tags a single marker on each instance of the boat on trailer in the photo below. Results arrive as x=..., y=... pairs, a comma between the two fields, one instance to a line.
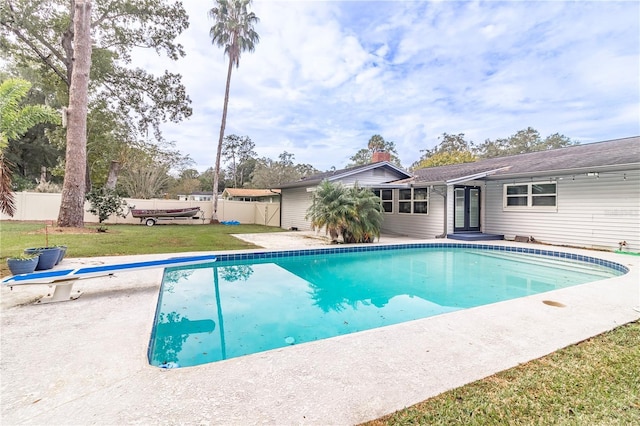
x=151, y=216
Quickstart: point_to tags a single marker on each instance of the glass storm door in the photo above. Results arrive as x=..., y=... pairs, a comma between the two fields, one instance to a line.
x=466, y=209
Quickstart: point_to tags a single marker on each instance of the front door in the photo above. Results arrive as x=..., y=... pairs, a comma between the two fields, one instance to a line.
x=466, y=209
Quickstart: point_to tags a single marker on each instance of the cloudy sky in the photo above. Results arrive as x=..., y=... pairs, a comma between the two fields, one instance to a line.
x=327, y=75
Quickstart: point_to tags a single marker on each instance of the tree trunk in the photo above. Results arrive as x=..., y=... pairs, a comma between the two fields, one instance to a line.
x=7, y=198
x=67, y=43
x=112, y=177
x=216, y=171
x=87, y=177
x=73, y=189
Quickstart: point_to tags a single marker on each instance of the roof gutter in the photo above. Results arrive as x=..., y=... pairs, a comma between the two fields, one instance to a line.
x=581, y=170
x=476, y=176
x=387, y=185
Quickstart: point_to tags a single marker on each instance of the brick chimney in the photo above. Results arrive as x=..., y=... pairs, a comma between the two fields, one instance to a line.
x=379, y=156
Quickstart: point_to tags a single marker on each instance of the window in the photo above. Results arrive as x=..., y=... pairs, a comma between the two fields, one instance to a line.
x=386, y=199
x=413, y=201
x=534, y=195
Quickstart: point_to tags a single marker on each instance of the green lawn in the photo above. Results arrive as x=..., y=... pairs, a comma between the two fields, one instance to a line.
x=596, y=382
x=124, y=239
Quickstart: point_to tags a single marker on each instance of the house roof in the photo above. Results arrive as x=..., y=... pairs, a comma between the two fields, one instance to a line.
x=343, y=173
x=617, y=154
x=248, y=192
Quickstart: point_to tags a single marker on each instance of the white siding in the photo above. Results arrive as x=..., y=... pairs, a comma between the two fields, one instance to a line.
x=417, y=225
x=295, y=202
x=592, y=212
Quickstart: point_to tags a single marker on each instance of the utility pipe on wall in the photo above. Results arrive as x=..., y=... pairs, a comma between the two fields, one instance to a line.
x=444, y=196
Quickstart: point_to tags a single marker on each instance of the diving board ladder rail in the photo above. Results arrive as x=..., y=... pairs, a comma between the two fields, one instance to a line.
x=63, y=279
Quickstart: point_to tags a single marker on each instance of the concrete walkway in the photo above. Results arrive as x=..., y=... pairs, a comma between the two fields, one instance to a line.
x=85, y=361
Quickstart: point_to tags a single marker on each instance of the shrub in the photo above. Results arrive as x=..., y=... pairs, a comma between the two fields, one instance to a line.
x=105, y=202
x=353, y=213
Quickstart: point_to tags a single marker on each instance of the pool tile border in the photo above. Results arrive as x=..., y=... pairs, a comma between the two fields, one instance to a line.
x=271, y=254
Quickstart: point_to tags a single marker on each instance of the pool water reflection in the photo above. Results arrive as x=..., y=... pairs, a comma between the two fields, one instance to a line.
x=228, y=309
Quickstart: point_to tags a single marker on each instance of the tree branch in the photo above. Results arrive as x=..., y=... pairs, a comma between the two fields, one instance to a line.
x=45, y=58
x=106, y=16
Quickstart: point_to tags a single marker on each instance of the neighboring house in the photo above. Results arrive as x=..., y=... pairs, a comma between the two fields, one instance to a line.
x=245, y=194
x=196, y=196
x=585, y=195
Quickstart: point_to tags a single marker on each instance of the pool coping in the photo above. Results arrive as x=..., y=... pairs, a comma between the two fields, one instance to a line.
x=278, y=254
x=85, y=361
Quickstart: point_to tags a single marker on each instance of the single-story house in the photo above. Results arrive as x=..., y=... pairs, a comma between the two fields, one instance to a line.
x=584, y=195
x=246, y=194
x=196, y=196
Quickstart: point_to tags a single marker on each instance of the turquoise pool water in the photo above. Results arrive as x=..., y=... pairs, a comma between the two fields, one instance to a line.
x=245, y=304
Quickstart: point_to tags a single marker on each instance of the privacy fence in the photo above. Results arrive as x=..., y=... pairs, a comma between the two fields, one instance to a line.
x=34, y=206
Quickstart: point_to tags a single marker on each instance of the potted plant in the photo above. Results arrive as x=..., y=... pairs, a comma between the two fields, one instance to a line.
x=23, y=264
x=63, y=251
x=48, y=256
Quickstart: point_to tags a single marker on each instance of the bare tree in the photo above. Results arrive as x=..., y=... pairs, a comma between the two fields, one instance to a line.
x=145, y=181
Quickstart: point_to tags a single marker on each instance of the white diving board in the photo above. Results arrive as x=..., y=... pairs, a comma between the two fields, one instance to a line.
x=63, y=279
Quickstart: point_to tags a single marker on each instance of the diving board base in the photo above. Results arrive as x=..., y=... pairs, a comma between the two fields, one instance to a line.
x=61, y=293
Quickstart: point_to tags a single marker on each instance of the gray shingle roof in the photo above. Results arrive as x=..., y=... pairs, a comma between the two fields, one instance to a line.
x=337, y=174
x=598, y=156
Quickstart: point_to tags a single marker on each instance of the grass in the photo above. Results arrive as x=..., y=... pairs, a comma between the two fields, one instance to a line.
x=596, y=382
x=124, y=239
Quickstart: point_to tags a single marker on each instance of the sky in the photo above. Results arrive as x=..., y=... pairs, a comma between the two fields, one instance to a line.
x=328, y=75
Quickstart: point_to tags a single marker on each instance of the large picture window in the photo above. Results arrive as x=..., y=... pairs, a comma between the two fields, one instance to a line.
x=413, y=201
x=534, y=195
x=386, y=199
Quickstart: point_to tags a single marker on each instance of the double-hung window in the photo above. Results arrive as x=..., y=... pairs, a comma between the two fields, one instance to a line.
x=413, y=201
x=534, y=195
x=386, y=199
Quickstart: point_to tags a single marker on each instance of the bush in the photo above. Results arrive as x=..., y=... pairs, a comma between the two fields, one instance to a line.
x=354, y=213
x=105, y=202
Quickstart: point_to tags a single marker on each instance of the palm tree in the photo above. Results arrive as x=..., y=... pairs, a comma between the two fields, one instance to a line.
x=367, y=217
x=15, y=120
x=233, y=30
x=353, y=213
x=330, y=208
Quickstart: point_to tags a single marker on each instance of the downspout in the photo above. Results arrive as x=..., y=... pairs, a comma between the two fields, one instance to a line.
x=280, y=209
x=444, y=196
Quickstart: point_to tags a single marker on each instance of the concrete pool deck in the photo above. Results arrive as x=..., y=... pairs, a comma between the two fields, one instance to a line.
x=85, y=361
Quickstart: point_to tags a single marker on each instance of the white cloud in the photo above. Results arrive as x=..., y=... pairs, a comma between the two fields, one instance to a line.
x=327, y=75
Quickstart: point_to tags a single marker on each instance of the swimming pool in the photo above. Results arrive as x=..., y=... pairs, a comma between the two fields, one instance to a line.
x=252, y=302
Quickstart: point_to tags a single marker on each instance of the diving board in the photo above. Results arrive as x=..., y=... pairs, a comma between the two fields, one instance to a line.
x=63, y=279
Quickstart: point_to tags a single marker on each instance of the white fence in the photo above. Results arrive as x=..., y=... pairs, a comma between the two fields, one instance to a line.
x=34, y=206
